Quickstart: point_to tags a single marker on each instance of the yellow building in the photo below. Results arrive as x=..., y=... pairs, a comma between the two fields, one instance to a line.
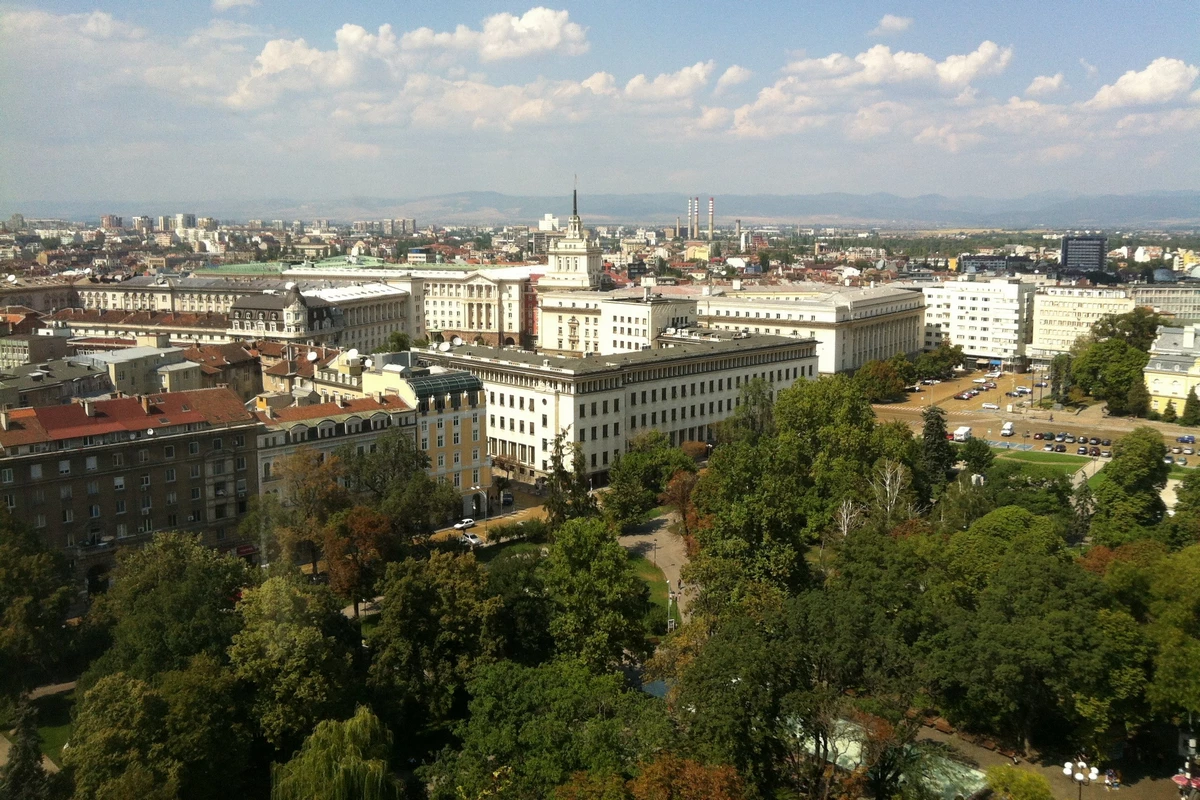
x=1174, y=367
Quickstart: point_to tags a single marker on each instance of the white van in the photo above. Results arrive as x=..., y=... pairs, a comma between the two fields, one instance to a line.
x=1007, y=429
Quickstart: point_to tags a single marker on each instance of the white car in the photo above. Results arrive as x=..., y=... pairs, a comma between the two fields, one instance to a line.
x=464, y=524
x=990, y=406
x=471, y=540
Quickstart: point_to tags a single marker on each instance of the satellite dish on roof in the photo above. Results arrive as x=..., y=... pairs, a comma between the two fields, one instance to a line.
x=289, y=286
x=312, y=355
x=368, y=363
x=11, y=279
x=456, y=341
x=352, y=354
x=149, y=431
x=444, y=346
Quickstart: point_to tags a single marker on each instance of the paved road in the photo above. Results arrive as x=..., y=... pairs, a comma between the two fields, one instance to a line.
x=655, y=541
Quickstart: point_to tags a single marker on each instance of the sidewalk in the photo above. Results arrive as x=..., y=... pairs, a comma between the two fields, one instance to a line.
x=654, y=541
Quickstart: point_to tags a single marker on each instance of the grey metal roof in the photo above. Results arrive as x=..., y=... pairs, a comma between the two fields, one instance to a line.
x=452, y=382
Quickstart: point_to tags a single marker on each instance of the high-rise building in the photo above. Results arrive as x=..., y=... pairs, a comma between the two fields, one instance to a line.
x=111, y=222
x=143, y=223
x=1084, y=253
x=165, y=224
x=185, y=221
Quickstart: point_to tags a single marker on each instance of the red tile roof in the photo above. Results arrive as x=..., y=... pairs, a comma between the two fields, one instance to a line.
x=55, y=423
x=363, y=405
x=118, y=317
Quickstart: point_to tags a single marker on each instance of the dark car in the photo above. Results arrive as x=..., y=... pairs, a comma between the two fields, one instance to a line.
x=1081, y=450
x=1187, y=439
x=1041, y=384
x=1107, y=443
x=1038, y=435
x=1094, y=452
x=1060, y=448
x=1049, y=436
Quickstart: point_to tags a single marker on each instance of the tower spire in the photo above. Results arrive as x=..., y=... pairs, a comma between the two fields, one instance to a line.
x=575, y=198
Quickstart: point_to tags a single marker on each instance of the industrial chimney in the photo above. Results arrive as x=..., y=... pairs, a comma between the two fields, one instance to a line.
x=689, y=227
x=710, y=219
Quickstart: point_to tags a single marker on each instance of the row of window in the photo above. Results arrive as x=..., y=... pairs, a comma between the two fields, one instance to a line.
x=91, y=464
x=121, y=506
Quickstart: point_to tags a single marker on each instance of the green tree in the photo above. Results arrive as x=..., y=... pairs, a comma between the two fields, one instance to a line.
x=438, y=622
x=1174, y=599
x=119, y=741
x=295, y=651
x=937, y=454
x=357, y=543
x=627, y=501
x=340, y=759
x=1061, y=380
x=905, y=369
x=24, y=777
x=388, y=467
x=171, y=600
x=1168, y=414
x=539, y=725
x=1137, y=401
x=1137, y=328
x=598, y=600
x=1191, y=409
x=978, y=456
x=753, y=416
x=568, y=494
x=1107, y=370
x=1011, y=783
x=1130, y=499
x=880, y=381
x=524, y=621
x=397, y=342
x=35, y=592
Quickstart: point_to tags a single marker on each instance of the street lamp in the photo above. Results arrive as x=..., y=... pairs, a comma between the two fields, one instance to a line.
x=1079, y=772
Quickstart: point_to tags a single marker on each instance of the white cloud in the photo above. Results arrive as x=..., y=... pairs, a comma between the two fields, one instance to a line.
x=712, y=119
x=601, y=83
x=1045, y=84
x=732, y=77
x=880, y=65
x=225, y=5
x=889, y=24
x=679, y=85
x=505, y=36
x=1091, y=69
x=947, y=138
x=1162, y=80
x=877, y=120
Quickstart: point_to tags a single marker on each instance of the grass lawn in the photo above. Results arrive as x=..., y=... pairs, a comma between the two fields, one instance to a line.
x=1096, y=480
x=54, y=723
x=485, y=554
x=1037, y=457
x=653, y=576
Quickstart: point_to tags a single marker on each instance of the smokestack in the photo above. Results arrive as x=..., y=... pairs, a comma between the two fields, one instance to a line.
x=689, y=227
x=737, y=231
x=677, y=228
x=710, y=219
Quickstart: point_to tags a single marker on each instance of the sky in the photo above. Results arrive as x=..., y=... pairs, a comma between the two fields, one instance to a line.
x=128, y=102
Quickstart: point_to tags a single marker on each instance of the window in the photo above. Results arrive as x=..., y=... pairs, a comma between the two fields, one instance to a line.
x=35, y=471
x=94, y=512
x=39, y=521
x=239, y=440
x=68, y=515
x=441, y=461
x=64, y=493
x=118, y=459
x=195, y=471
x=172, y=498
x=169, y=451
x=10, y=500
x=64, y=467
x=91, y=463
x=456, y=438
x=6, y=475
x=193, y=448
x=143, y=455
x=216, y=443
x=93, y=487
x=196, y=493
x=441, y=440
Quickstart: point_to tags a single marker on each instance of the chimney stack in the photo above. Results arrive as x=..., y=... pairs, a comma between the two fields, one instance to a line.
x=710, y=219
x=145, y=398
x=696, y=223
x=4, y=419
x=689, y=227
x=89, y=408
x=677, y=228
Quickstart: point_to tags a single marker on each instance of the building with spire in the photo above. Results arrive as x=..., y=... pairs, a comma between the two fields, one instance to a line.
x=575, y=259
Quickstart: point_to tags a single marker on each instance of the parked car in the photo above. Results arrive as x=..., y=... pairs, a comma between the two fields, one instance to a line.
x=1181, y=461
x=1041, y=384
x=1081, y=450
x=1168, y=460
x=471, y=540
x=979, y=380
x=1058, y=437
x=991, y=406
x=1049, y=435
x=506, y=499
x=1106, y=453
x=1094, y=451
x=1187, y=451
x=462, y=525
x=1060, y=448
x=994, y=374
x=989, y=385
x=1106, y=442
x=1049, y=448
x=1069, y=439
x=1176, y=449
x=1038, y=435
x=1187, y=439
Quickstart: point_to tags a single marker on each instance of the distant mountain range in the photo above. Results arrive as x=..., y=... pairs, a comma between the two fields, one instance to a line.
x=1176, y=209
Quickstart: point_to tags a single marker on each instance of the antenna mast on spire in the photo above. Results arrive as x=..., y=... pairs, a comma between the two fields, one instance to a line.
x=575, y=198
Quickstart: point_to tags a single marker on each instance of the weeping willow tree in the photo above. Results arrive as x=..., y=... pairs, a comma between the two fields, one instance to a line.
x=340, y=761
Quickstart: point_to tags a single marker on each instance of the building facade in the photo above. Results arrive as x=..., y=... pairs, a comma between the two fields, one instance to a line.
x=992, y=321
x=682, y=387
x=94, y=476
x=1061, y=314
x=1084, y=253
x=1173, y=370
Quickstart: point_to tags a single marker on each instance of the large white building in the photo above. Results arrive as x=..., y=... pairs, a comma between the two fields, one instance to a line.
x=851, y=325
x=687, y=383
x=575, y=259
x=1061, y=314
x=990, y=320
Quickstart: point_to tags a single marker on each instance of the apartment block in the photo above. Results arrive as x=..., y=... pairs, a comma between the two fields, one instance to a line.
x=1062, y=314
x=992, y=320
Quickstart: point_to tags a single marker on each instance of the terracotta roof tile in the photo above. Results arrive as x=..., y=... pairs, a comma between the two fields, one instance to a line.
x=362, y=405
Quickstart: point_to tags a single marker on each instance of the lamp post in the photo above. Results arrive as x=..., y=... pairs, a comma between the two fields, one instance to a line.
x=1081, y=773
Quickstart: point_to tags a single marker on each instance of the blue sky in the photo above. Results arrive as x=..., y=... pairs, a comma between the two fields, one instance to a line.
x=246, y=99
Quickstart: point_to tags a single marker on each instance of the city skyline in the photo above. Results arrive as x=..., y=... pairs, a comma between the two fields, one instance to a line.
x=247, y=99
